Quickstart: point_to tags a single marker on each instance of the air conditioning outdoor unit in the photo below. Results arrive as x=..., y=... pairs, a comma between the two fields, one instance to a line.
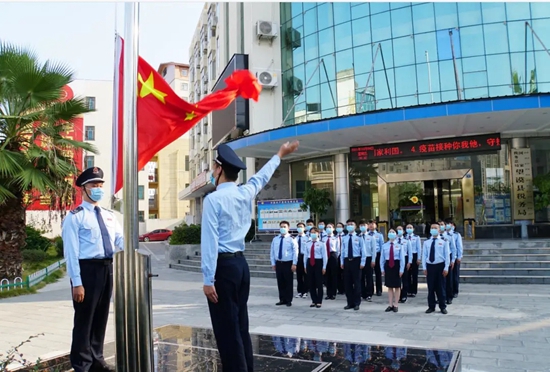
x=266, y=29
x=267, y=79
x=295, y=85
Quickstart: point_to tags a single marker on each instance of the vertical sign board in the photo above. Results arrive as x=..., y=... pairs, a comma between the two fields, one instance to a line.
x=272, y=212
x=522, y=181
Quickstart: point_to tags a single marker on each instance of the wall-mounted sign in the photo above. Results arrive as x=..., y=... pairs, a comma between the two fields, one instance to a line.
x=522, y=181
x=427, y=148
x=272, y=212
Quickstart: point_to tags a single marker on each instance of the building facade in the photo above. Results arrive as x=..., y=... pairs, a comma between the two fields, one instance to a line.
x=414, y=112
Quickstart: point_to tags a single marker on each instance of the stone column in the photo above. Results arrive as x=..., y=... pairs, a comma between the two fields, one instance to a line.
x=341, y=188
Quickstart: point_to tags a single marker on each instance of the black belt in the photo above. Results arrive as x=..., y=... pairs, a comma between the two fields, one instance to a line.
x=97, y=261
x=353, y=258
x=230, y=255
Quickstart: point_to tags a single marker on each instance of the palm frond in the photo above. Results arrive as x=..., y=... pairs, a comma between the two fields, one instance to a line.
x=31, y=178
x=5, y=194
x=10, y=163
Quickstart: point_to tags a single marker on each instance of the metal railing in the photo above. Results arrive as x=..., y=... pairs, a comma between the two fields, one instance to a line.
x=31, y=280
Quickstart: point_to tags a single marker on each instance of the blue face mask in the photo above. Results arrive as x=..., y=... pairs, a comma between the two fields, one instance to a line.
x=96, y=194
x=339, y=230
x=442, y=227
x=283, y=231
x=329, y=230
x=400, y=232
x=452, y=228
x=410, y=231
x=448, y=227
x=391, y=236
x=363, y=228
x=308, y=227
x=212, y=178
x=313, y=236
x=434, y=232
x=321, y=227
x=350, y=228
x=300, y=230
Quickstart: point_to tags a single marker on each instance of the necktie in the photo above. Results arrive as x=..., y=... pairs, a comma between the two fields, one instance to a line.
x=394, y=352
x=328, y=246
x=108, y=248
x=281, y=248
x=312, y=255
x=299, y=244
x=392, y=260
x=432, y=252
x=352, y=352
x=340, y=241
x=438, y=358
x=350, y=247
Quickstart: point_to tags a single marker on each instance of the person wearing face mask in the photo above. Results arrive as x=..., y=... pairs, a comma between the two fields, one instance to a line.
x=301, y=277
x=406, y=246
x=90, y=236
x=226, y=218
x=316, y=260
x=340, y=233
x=352, y=260
x=392, y=265
x=436, y=259
x=367, y=282
x=379, y=240
x=449, y=278
x=309, y=225
x=322, y=232
x=416, y=249
x=284, y=257
x=457, y=238
x=332, y=266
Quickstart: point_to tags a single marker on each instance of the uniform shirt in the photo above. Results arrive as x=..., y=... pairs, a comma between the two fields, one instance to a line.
x=395, y=353
x=320, y=252
x=334, y=245
x=290, y=249
x=398, y=254
x=322, y=235
x=370, y=244
x=442, y=252
x=406, y=246
x=440, y=359
x=340, y=237
x=449, y=239
x=82, y=237
x=359, y=248
x=416, y=246
x=357, y=354
x=223, y=229
x=301, y=241
x=379, y=239
x=458, y=244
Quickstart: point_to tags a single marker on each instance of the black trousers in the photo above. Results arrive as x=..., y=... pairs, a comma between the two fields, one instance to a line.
x=413, y=275
x=332, y=274
x=284, y=281
x=315, y=276
x=367, y=281
x=340, y=285
x=436, y=285
x=456, y=278
x=91, y=315
x=230, y=315
x=301, y=276
x=405, y=283
x=352, y=274
x=378, y=274
x=449, y=283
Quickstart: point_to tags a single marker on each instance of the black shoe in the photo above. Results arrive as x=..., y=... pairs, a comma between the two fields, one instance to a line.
x=289, y=304
x=348, y=307
x=356, y=308
x=379, y=293
x=102, y=367
x=449, y=302
x=403, y=300
x=389, y=308
x=443, y=311
x=395, y=309
x=280, y=303
x=312, y=305
x=318, y=306
x=412, y=295
x=430, y=310
x=327, y=298
x=333, y=298
x=368, y=299
x=455, y=295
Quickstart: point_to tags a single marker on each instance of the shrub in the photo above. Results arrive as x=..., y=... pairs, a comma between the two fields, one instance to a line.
x=251, y=232
x=58, y=244
x=186, y=234
x=35, y=240
x=34, y=255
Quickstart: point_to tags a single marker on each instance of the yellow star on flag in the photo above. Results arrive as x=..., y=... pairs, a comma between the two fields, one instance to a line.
x=148, y=87
x=190, y=116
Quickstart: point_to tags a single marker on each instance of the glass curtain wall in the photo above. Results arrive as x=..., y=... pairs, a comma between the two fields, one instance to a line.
x=347, y=58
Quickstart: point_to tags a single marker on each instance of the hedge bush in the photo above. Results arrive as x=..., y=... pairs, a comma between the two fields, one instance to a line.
x=58, y=244
x=186, y=234
x=35, y=240
x=34, y=255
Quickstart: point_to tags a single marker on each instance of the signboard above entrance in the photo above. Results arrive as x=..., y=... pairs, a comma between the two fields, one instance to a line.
x=428, y=148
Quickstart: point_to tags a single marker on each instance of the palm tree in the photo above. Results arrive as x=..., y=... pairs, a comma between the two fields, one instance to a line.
x=35, y=157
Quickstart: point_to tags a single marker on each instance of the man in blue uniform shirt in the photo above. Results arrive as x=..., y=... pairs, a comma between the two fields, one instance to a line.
x=226, y=220
x=90, y=234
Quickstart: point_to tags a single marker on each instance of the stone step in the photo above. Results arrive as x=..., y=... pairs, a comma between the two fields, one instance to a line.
x=505, y=265
x=499, y=251
x=505, y=272
x=508, y=257
x=510, y=243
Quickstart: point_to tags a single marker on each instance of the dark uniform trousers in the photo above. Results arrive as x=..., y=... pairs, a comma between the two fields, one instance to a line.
x=332, y=274
x=405, y=281
x=449, y=283
x=367, y=280
x=91, y=315
x=436, y=285
x=378, y=273
x=456, y=278
x=230, y=315
x=315, y=276
x=301, y=276
x=352, y=275
x=283, y=269
x=340, y=285
x=413, y=275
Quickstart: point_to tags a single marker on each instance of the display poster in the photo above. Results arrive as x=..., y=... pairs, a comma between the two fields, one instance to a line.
x=271, y=212
x=522, y=181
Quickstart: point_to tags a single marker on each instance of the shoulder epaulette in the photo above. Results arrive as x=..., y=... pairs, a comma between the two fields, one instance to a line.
x=77, y=209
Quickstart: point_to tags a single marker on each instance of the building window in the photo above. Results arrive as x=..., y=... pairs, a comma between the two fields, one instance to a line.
x=163, y=73
x=186, y=185
x=141, y=192
x=184, y=86
x=89, y=161
x=141, y=215
x=89, y=133
x=187, y=163
x=90, y=103
x=184, y=72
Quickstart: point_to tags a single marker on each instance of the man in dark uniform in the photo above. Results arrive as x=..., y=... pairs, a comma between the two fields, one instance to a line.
x=226, y=219
x=90, y=234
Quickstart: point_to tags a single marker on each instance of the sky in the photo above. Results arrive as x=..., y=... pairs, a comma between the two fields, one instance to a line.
x=81, y=35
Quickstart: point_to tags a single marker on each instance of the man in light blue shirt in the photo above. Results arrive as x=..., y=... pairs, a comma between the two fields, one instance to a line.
x=284, y=257
x=436, y=259
x=90, y=236
x=379, y=239
x=226, y=220
x=352, y=260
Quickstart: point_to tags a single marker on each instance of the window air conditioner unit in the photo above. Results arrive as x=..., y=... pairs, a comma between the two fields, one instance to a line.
x=265, y=29
x=267, y=79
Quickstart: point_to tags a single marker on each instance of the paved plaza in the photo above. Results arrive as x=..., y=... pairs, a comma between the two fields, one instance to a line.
x=498, y=328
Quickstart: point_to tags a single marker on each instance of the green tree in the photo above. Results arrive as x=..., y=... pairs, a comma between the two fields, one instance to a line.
x=317, y=200
x=34, y=153
x=542, y=196
x=518, y=85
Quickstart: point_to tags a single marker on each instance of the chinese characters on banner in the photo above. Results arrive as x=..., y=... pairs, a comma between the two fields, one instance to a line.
x=522, y=180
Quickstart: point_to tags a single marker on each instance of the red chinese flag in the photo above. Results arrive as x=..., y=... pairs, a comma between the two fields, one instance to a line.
x=162, y=116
